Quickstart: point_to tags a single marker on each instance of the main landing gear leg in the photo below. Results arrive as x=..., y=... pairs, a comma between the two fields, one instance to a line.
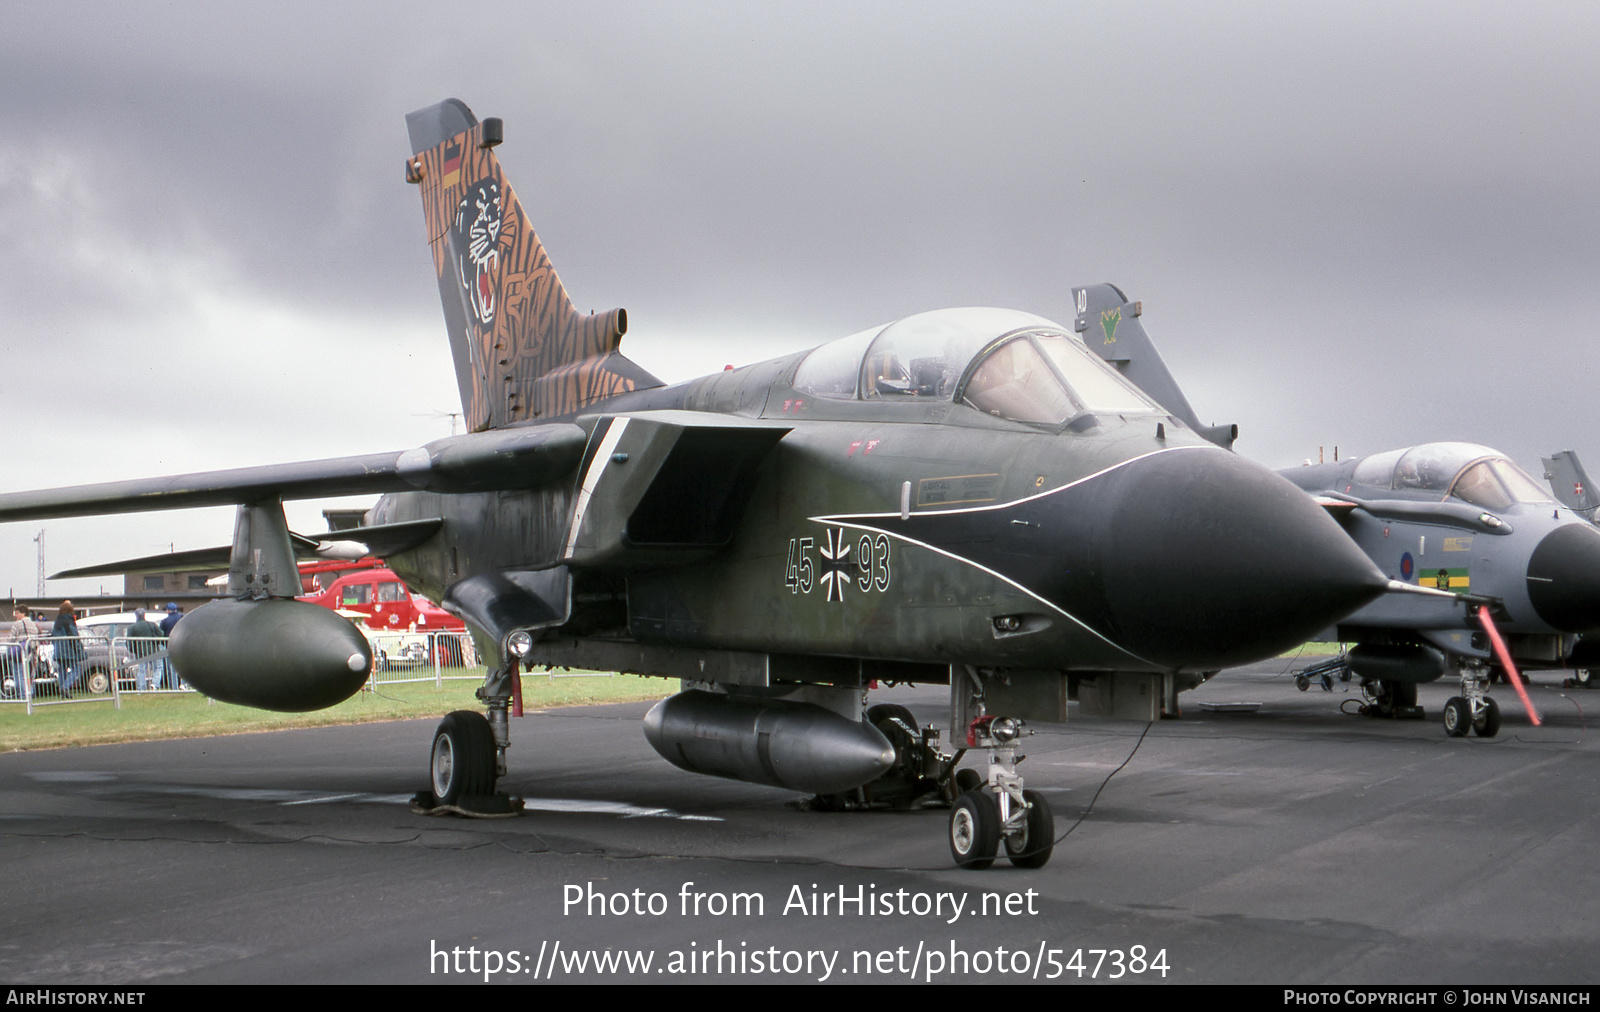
x=469, y=755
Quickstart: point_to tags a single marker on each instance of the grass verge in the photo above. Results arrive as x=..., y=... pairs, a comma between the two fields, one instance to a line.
x=1315, y=650
x=143, y=718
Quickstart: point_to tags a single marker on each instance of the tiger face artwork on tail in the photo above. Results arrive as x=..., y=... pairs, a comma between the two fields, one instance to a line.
x=476, y=239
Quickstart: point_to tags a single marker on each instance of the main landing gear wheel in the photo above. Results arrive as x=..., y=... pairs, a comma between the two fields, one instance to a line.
x=911, y=780
x=1031, y=847
x=975, y=830
x=899, y=726
x=1457, y=717
x=918, y=777
x=1487, y=722
x=1396, y=700
x=462, y=763
x=880, y=712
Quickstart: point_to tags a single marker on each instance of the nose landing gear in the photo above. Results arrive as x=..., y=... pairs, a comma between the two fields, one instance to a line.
x=1473, y=710
x=999, y=808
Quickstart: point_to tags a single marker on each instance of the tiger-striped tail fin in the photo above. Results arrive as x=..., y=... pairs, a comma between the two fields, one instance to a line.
x=522, y=350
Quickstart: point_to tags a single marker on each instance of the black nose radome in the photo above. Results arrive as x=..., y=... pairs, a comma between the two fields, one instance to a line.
x=1564, y=578
x=1208, y=560
x=1189, y=558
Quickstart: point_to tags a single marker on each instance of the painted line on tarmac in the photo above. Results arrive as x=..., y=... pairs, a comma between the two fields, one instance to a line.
x=295, y=797
x=621, y=808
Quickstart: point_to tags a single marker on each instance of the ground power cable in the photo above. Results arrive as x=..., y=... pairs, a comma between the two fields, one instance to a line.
x=1103, y=784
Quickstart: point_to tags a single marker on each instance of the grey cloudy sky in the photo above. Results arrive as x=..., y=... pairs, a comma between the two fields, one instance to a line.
x=1355, y=224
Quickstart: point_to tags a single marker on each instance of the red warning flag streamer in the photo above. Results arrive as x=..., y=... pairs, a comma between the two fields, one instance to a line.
x=1505, y=662
x=516, y=689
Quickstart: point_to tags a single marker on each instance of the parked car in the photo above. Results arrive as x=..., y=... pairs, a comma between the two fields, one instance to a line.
x=114, y=627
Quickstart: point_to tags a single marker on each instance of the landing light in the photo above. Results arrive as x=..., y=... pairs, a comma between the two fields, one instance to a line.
x=520, y=643
x=1005, y=729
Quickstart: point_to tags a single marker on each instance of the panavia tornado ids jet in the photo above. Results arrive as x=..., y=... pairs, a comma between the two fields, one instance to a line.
x=1514, y=576
x=1461, y=518
x=966, y=497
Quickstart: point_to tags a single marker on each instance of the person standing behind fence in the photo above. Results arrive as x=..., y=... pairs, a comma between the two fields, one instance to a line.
x=173, y=614
x=69, y=649
x=20, y=643
x=22, y=626
x=143, y=637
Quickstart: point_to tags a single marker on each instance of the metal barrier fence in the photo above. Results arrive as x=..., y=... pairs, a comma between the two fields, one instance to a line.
x=53, y=670
x=399, y=657
x=142, y=666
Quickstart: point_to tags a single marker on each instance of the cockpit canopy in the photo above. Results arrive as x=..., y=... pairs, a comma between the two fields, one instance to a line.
x=1477, y=474
x=1002, y=362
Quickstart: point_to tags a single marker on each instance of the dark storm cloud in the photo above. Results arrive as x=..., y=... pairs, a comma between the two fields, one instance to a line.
x=204, y=140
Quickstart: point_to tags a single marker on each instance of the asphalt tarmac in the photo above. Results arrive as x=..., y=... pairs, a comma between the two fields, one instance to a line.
x=1288, y=844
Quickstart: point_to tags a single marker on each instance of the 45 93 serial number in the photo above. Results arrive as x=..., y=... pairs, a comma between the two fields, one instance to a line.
x=840, y=561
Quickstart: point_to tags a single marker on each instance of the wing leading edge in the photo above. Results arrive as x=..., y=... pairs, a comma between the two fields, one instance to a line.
x=516, y=458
